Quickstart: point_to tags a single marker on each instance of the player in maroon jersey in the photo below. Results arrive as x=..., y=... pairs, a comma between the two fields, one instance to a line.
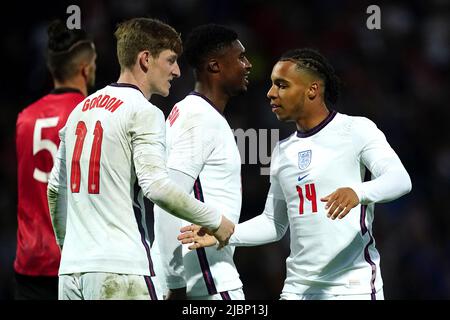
x=71, y=60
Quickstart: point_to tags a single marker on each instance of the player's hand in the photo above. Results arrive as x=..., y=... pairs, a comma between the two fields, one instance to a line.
x=197, y=236
x=176, y=294
x=340, y=202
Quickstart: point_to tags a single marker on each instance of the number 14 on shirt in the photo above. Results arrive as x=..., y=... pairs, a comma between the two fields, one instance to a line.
x=308, y=191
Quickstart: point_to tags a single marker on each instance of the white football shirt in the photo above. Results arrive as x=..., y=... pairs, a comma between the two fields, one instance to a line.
x=106, y=228
x=201, y=144
x=328, y=256
x=113, y=151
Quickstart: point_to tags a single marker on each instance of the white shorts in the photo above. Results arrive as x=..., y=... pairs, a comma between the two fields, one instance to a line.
x=237, y=294
x=105, y=286
x=293, y=296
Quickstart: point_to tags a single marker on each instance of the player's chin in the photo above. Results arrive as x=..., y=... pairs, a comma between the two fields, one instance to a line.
x=281, y=117
x=164, y=92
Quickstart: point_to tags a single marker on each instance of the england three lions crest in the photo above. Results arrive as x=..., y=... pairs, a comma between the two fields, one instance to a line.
x=304, y=159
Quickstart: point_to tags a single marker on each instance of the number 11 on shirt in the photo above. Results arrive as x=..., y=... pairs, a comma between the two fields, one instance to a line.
x=310, y=193
x=94, y=161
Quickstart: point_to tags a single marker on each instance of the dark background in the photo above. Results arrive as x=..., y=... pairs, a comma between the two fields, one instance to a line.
x=397, y=76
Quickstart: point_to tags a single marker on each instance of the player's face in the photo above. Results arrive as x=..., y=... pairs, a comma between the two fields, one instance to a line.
x=287, y=93
x=236, y=68
x=163, y=69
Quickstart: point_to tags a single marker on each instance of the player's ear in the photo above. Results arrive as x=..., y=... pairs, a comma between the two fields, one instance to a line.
x=144, y=59
x=85, y=70
x=313, y=91
x=213, y=66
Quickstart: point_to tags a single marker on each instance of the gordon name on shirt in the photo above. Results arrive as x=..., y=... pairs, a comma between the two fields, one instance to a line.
x=107, y=102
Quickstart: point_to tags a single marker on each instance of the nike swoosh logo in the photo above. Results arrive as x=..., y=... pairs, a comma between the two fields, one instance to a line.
x=301, y=178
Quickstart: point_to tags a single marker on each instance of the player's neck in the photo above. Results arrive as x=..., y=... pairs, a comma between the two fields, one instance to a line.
x=74, y=83
x=312, y=117
x=129, y=77
x=215, y=95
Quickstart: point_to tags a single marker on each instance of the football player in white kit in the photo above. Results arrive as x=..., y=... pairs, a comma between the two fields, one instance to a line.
x=204, y=159
x=112, y=154
x=325, y=179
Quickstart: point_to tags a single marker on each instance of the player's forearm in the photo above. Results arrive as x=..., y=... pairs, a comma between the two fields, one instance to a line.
x=256, y=231
x=157, y=186
x=56, y=215
x=172, y=199
x=392, y=182
x=270, y=226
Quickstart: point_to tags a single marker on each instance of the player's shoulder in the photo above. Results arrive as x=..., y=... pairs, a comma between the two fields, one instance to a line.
x=196, y=110
x=131, y=96
x=35, y=109
x=360, y=129
x=29, y=108
x=286, y=142
x=36, y=104
x=195, y=103
x=127, y=92
x=358, y=120
x=352, y=123
x=280, y=150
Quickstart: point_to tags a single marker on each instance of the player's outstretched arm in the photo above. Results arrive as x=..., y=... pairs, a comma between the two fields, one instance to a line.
x=267, y=227
x=172, y=199
x=147, y=130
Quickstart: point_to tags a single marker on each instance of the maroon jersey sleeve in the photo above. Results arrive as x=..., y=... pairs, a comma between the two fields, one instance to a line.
x=37, y=141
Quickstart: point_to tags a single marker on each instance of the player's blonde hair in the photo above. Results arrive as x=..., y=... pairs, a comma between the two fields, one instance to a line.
x=138, y=34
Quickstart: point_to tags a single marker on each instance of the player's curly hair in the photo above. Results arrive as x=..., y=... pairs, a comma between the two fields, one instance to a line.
x=316, y=63
x=65, y=47
x=206, y=40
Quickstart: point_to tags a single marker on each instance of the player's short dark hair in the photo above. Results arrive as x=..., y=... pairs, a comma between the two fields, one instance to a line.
x=314, y=62
x=206, y=40
x=65, y=47
x=138, y=34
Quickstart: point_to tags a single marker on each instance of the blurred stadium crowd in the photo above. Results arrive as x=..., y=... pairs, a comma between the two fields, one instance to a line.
x=397, y=76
